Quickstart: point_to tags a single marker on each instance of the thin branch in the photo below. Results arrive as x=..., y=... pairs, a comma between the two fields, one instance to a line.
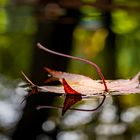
x=27, y=79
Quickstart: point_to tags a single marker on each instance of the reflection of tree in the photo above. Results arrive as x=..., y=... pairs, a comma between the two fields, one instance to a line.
x=54, y=29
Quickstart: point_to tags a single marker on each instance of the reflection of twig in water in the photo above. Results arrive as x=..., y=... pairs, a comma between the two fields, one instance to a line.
x=76, y=109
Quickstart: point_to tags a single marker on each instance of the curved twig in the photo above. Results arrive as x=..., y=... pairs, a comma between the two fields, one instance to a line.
x=77, y=58
x=27, y=79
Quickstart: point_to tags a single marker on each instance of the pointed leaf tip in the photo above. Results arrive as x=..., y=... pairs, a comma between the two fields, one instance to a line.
x=67, y=88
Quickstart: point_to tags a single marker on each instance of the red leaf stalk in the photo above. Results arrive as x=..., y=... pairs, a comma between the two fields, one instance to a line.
x=77, y=58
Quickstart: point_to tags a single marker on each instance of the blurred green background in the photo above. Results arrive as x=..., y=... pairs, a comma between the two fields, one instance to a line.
x=106, y=32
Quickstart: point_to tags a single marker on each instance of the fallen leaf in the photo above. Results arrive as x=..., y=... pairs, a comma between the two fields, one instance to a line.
x=85, y=87
x=75, y=87
x=79, y=59
x=89, y=87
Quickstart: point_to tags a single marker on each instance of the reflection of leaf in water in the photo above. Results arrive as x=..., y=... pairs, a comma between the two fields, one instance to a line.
x=70, y=100
x=72, y=97
x=75, y=86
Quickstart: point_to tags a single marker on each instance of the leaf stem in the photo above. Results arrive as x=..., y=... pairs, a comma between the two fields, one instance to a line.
x=77, y=58
x=27, y=79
